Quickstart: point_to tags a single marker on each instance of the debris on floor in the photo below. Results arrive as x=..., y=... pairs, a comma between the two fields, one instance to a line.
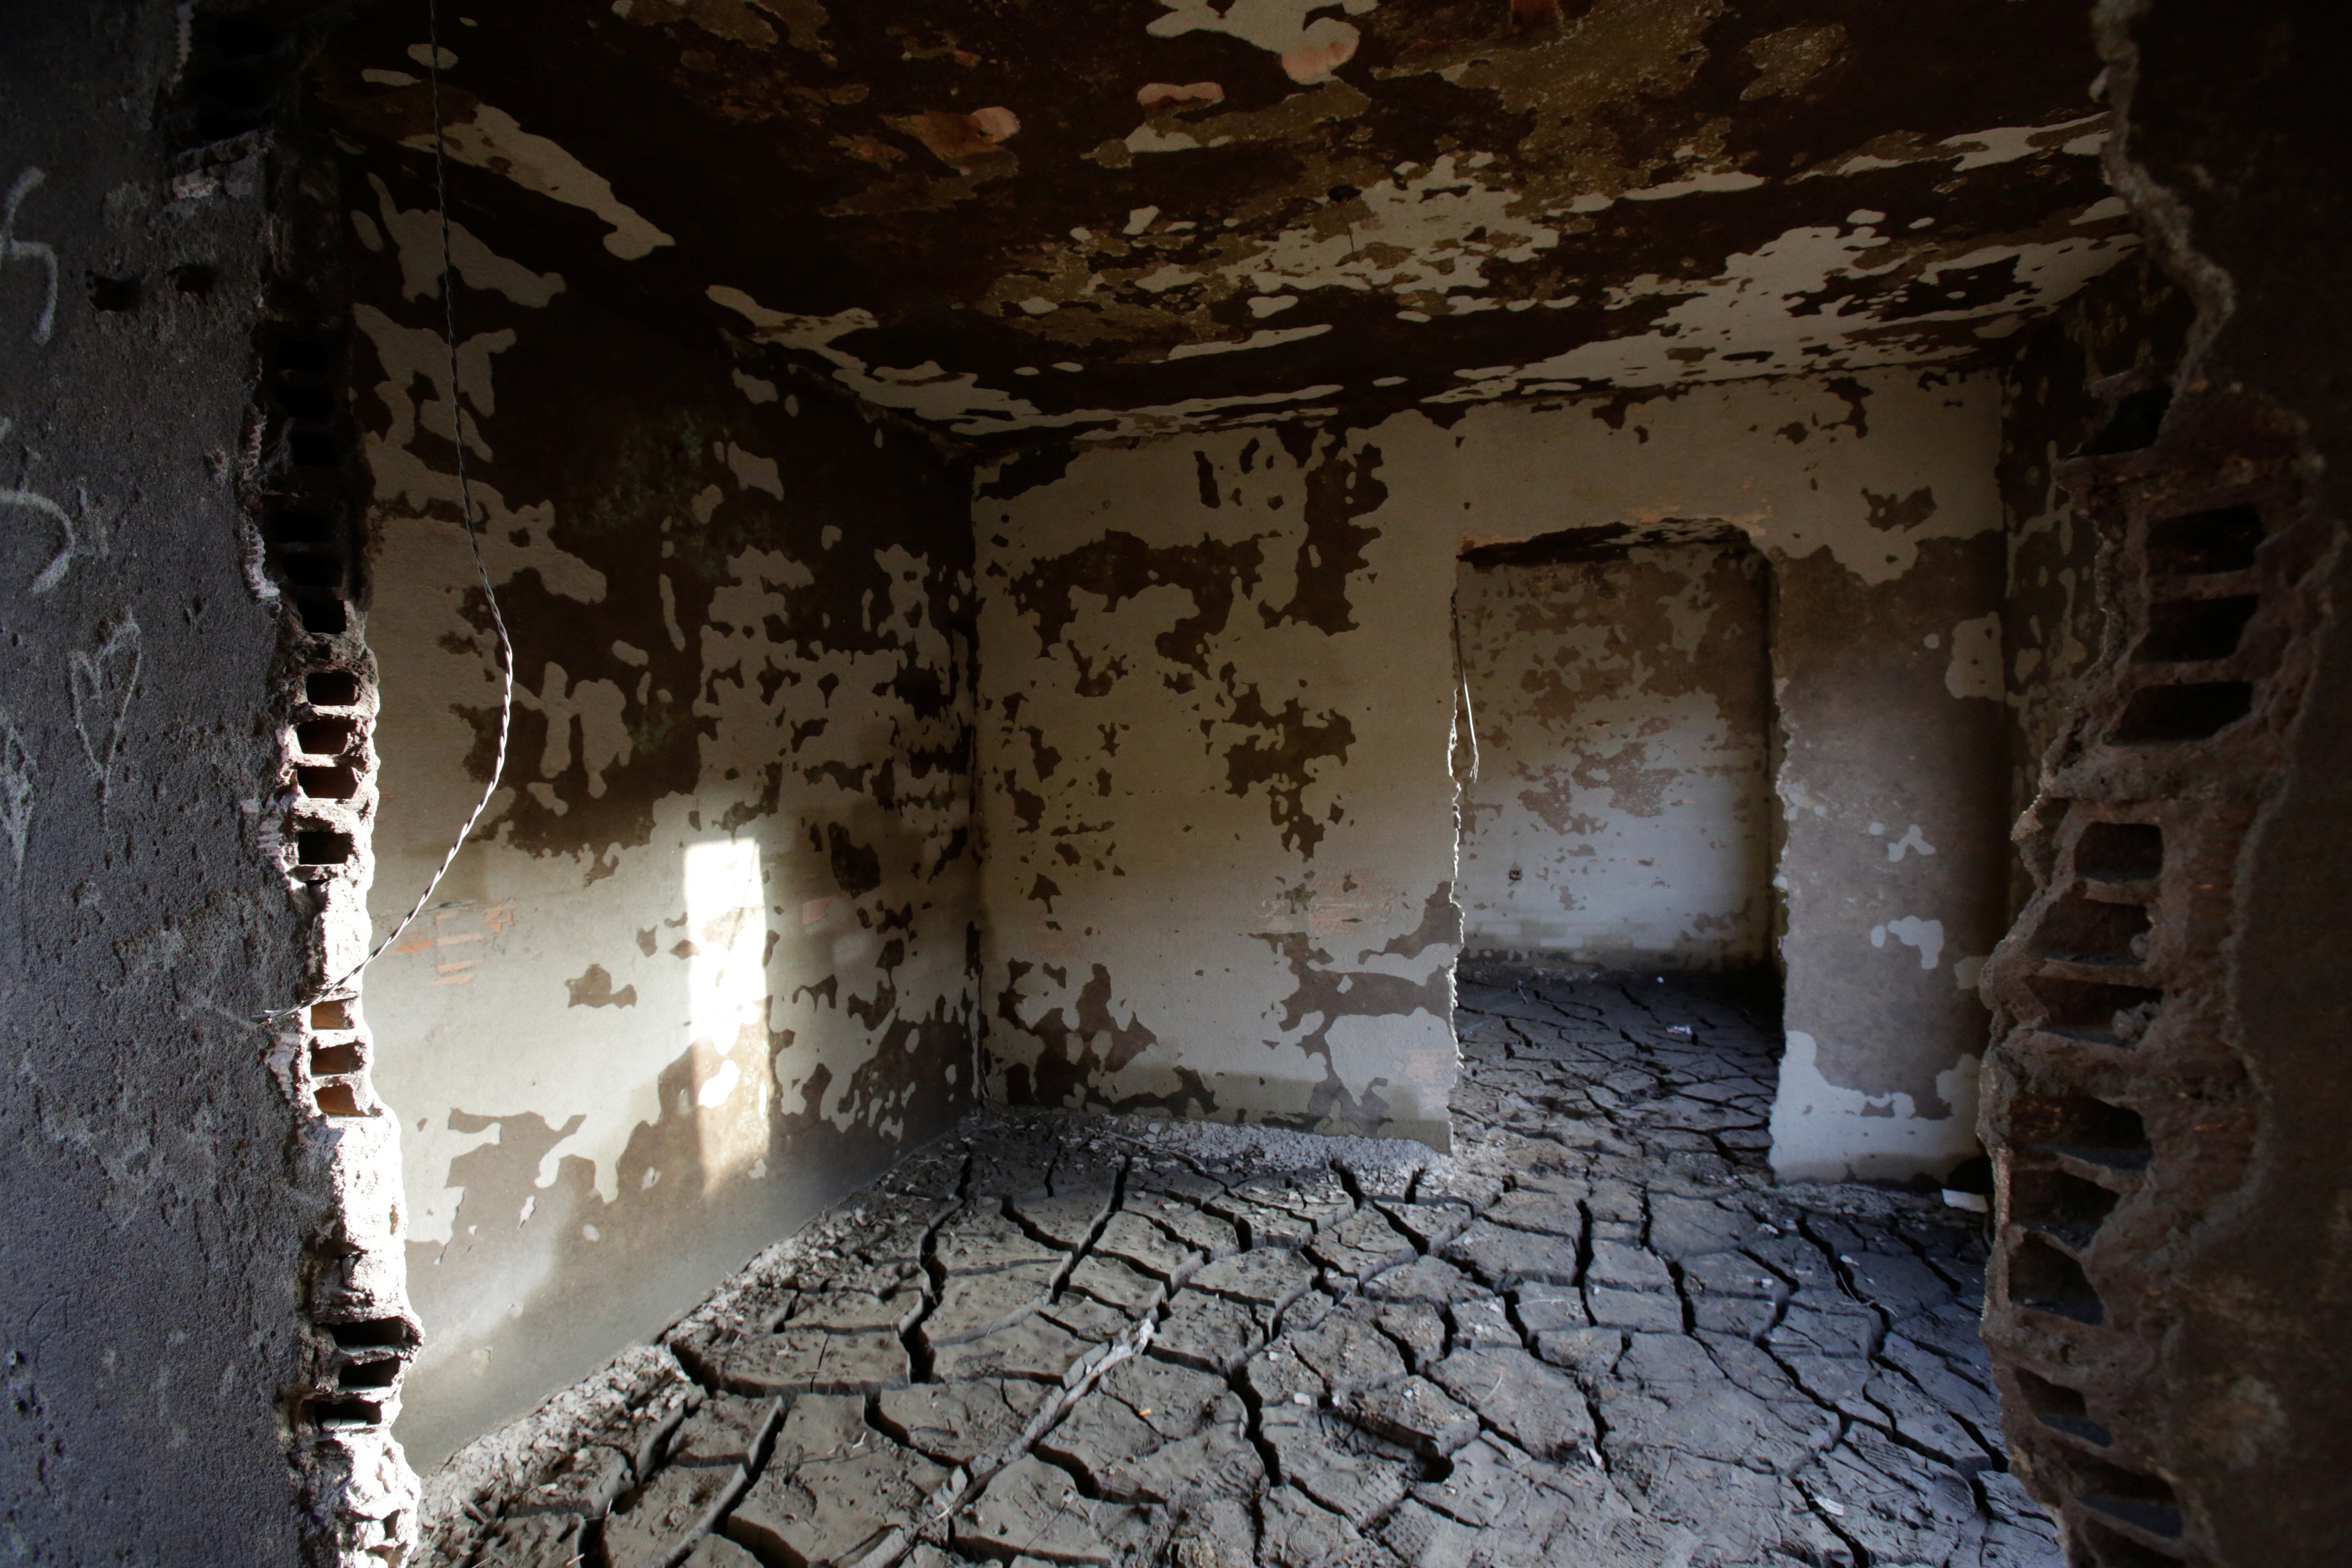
x=1596, y=1335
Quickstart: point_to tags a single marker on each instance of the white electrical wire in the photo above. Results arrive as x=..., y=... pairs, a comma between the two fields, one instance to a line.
x=1461, y=673
x=473, y=535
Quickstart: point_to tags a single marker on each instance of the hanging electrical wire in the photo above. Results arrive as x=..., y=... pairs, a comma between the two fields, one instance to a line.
x=473, y=534
x=1461, y=678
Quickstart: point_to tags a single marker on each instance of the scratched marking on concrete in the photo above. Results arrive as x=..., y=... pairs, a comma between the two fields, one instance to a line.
x=16, y=789
x=15, y=250
x=33, y=501
x=103, y=682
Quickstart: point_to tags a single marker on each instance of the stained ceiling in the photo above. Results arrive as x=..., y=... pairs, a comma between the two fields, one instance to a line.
x=1023, y=219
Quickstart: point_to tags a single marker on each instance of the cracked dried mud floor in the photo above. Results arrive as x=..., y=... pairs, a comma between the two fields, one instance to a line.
x=1598, y=1335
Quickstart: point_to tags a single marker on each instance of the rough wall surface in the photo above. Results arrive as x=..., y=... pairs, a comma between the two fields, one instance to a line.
x=1206, y=208
x=2094, y=373
x=2171, y=1289
x=199, y=1287
x=705, y=965
x=1215, y=724
x=1218, y=806
x=1621, y=813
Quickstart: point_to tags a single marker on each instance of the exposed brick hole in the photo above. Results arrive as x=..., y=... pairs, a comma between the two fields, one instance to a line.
x=2083, y=930
x=193, y=278
x=2047, y=1280
x=2183, y=631
x=2067, y=1207
x=2136, y=419
x=333, y=1014
x=328, y=1060
x=332, y=1414
x=330, y=688
x=2108, y=1015
x=2080, y=1128
x=326, y=617
x=339, y=1100
x=2160, y=713
x=301, y=525
x=233, y=97
x=2120, y=851
x=326, y=737
x=373, y=1333
x=328, y=783
x=308, y=356
x=2111, y=1550
x=380, y=1372
x=2199, y=543
x=2061, y=1409
x=2143, y=1501
x=111, y=294
x=308, y=449
x=315, y=846
x=311, y=571
x=305, y=402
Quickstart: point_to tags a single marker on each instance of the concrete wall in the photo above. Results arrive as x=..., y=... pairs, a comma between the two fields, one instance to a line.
x=1622, y=810
x=705, y=965
x=181, y=1218
x=1216, y=725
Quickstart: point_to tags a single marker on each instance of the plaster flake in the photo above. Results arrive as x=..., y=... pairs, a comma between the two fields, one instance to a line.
x=1430, y=232
x=1913, y=842
x=412, y=353
x=927, y=391
x=1265, y=339
x=1975, y=669
x=597, y=708
x=1925, y=936
x=753, y=471
x=493, y=140
x=1822, y=1131
x=2082, y=138
x=416, y=234
x=1769, y=307
x=1311, y=47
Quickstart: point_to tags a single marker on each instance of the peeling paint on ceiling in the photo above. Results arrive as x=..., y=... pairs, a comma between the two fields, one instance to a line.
x=1117, y=217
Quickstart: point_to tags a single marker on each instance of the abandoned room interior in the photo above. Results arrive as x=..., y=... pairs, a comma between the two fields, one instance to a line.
x=1416, y=784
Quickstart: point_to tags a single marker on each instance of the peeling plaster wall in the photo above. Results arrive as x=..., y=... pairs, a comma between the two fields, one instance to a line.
x=1217, y=713
x=706, y=965
x=1142, y=216
x=1219, y=814
x=1621, y=813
